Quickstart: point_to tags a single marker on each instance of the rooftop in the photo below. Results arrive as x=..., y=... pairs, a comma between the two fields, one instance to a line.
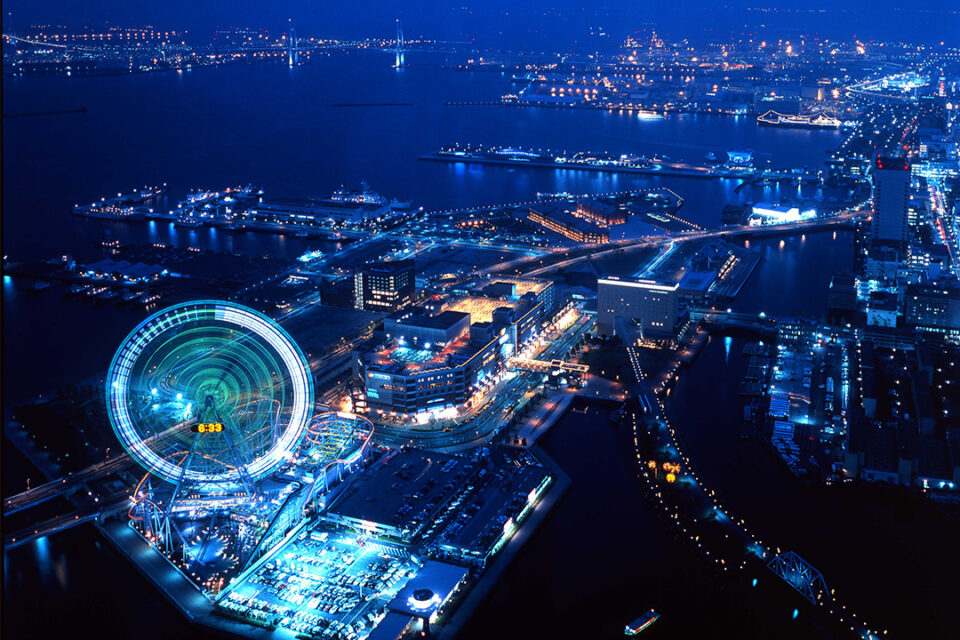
x=429, y=589
x=398, y=357
x=403, y=489
x=480, y=309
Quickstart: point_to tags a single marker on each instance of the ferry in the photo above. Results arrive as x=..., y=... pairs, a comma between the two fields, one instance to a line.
x=641, y=623
x=818, y=121
x=644, y=114
x=364, y=196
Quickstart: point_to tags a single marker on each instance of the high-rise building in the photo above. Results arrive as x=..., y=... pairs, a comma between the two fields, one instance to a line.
x=891, y=197
x=655, y=305
x=384, y=286
x=934, y=308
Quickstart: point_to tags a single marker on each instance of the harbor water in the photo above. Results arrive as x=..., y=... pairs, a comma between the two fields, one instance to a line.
x=603, y=557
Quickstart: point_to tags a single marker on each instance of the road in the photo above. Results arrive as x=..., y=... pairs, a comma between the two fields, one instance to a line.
x=61, y=523
x=630, y=245
x=63, y=486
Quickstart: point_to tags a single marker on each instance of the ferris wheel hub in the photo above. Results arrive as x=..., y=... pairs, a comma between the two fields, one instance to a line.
x=216, y=365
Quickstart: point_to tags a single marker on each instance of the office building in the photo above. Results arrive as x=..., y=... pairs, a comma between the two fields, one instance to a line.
x=654, y=305
x=385, y=286
x=891, y=197
x=933, y=308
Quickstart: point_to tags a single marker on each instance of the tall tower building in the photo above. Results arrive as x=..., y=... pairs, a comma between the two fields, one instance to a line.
x=891, y=198
x=384, y=286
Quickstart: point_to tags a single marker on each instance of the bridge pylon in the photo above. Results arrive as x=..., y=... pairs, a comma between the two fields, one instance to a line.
x=399, y=63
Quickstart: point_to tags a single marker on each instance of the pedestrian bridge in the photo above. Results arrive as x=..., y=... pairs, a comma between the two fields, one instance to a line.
x=547, y=365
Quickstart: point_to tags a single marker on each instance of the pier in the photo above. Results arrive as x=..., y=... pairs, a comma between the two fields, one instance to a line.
x=610, y=163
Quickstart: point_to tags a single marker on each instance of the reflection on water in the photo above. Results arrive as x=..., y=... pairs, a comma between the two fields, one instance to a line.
x=196, y=130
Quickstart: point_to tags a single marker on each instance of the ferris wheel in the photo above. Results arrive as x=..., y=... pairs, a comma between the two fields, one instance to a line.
x=209, y=394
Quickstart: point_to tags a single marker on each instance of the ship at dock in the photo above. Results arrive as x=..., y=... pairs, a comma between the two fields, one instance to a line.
x=538, y=158
x=244, y=207
x=812, y=121
x=344, y=206
x=221, y=207
x=122, y=207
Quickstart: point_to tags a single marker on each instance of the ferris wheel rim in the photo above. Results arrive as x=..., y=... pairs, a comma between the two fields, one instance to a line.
x=231, y=313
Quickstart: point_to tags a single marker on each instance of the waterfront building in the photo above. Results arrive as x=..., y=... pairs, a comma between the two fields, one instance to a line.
x=603, y=214
x=764, y=213
x=385, y=286
x=891, y=198
x=654, y=305
x=333, y=210
x=437, y=362
x=557, y=219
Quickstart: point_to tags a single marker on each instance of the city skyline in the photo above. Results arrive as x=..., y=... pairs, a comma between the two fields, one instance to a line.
x=481, y=321
x=510, y=26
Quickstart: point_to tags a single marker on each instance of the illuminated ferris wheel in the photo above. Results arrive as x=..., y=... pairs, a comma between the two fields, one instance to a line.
x=209, y=394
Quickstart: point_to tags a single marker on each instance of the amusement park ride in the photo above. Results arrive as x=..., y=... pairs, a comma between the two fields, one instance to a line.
x=215, y=401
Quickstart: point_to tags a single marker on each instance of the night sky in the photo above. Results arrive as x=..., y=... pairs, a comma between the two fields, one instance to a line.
x=542, y=24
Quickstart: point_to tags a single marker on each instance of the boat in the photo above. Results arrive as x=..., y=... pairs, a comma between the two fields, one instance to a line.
x=95, y=291
x=641, y=623
x=643, y=114
x=818, y=121
x=78, y=289
x=131, y=297
x=108, y=295
x=109, y=211
x=188, y=221
x=364, y=196
x=121, y=207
